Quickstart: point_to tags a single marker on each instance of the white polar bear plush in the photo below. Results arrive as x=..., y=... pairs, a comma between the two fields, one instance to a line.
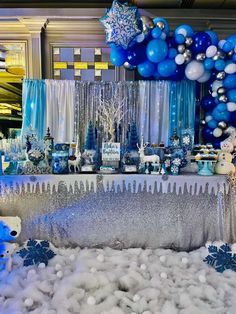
x=224, y=164
x=10, y=228
x=6, y=252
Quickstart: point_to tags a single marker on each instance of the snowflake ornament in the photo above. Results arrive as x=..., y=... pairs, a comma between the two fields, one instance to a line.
x=221, y=258
x=174, y=169
x=176, y=161
x=36, y=252
x=63, y=163
x=186, y=140
x=122, y=24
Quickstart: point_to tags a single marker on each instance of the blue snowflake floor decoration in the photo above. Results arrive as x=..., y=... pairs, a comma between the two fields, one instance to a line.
x=36, y=252
x=221, y=258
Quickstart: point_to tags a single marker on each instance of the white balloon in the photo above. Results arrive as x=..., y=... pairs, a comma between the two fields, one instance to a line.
x=231, y=106
x=179, y=59
x=216, y=84
x=214, y=94
x=194, y=70
x=217, y=132
x=140, y=38
x=163, y=36
x=230, y=68
x=208, y=118
x=221, y=43
x=205, y=77
x=211, y=51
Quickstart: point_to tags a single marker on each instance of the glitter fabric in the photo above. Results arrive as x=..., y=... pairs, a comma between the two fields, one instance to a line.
x=93, y=211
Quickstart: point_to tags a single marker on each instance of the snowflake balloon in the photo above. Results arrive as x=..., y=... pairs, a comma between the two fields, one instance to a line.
x=122, y=24
x=221, y=258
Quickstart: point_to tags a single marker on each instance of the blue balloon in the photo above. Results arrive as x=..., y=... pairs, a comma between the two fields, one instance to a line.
x=185, y=30
x=156, y=32
x=179, y=39
x=212, y=124
x=230, y=81
x=228, y=46
x=146, y=69
x=220, y=113
x=164, y=21
x=157, y=50
x=220, y=65
x=118, y=56
x=232, y=39
x=208, y=64
x=232, y=95
x=167, y=67
x=214, y=37
x=136, y=54
x=208, y=103
x=234, y=57
x=178, y=73
x=201, y=41
x=172, y=53
x=207, y=134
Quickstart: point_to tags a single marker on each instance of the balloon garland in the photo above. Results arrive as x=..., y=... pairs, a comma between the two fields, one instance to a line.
x=138, y=42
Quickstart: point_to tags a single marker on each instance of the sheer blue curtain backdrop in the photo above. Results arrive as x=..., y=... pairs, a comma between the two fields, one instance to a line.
x=157, y=107
x=34, y=108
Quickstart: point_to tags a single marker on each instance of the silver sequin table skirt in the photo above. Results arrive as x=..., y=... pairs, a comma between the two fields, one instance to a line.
x=121, y=211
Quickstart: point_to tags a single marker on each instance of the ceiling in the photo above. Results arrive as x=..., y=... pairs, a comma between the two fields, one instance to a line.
x=198, y=4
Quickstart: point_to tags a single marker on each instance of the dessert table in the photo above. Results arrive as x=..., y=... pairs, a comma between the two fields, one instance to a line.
x=120, y=210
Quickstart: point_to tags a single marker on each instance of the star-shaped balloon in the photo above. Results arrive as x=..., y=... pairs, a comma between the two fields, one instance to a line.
x=122, y=24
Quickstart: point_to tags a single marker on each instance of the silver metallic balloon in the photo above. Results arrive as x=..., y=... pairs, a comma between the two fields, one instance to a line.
x=147, y=21
x=128, y=66
x=161, y=25
x=188, y=41
x=221, y=91
x=188, y=59
x=187, y=55
x=181, y=48
x=220, y=75
x=219, y=55
x=222, y=125
x=223, y=98
x=200, y=56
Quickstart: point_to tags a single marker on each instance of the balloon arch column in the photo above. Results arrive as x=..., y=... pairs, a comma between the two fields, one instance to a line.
x=145, y=45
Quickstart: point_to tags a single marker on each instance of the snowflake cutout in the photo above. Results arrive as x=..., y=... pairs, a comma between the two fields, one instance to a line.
x=36, y=252
x=175, y=169
x=176, y=161
x=221, y=258
x=122, y=24
x=186, y=140
x=63, y=163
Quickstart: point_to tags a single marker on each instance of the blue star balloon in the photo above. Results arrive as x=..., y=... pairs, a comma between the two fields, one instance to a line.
x=122, y=24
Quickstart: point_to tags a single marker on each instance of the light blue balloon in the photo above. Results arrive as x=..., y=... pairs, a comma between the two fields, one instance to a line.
x=167, y=67
x=221, y=115
x=228, y=46
x=212, y=124
x=157, y=50
x=184, y=29
x=179, y=39
x=234, y=57
x=232, y=39
x=146, y=69
x=214, y=37
x=220, y=65
x=232, y=95
x=164, y=21
x=156, y=32
x=172, y=53
x=230, y=81
x=208, y=64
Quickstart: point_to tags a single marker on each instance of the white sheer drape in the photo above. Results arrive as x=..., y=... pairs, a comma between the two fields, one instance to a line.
x=60, y=103
x=154, y=111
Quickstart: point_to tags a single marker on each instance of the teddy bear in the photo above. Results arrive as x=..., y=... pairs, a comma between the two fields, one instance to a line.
x=10, y=228
x=224, y=164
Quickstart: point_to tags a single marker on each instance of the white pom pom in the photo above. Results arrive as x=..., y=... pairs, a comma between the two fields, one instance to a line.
x=29, y=302
x=202, y=278
x=72, y=257
x=100, y=258
x=184, y=260
x=93, y=269
x=57, y=267
x=136, y=298
x=163, y=275
x=231, y=106
x=143, y=266
x=217, y=132
x=59, y=274
x=91, y=301
x=41, y=265
x=162, y=258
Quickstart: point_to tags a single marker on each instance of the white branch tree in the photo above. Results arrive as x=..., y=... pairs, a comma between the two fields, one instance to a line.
x=111, y=112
